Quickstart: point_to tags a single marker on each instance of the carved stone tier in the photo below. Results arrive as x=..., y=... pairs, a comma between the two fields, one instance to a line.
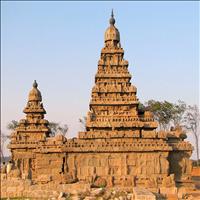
x=123, y=124
x=181, y=146
x=137, y=133
x=117, y=145
x=120, y=76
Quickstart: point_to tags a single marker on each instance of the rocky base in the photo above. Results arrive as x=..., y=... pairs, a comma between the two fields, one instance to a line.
x=25, y=189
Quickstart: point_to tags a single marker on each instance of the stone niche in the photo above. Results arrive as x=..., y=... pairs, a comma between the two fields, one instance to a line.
x=23, y=160
x=50, y=167
x=181, y=165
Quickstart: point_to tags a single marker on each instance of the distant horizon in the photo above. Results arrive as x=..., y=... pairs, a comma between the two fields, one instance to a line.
x=59, y=43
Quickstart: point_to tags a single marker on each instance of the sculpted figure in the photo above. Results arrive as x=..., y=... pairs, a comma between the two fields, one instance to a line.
x=15, y=173
x=168, y=181
x=186, y=166
x=183, y=166
x=164, y=164
x=157, y=165
x=9, y=167
x=151, y=183
x=3, y=168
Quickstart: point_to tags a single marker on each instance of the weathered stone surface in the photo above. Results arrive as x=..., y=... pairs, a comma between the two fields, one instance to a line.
x=142, y=194
x=90, y=198
x=96, y=192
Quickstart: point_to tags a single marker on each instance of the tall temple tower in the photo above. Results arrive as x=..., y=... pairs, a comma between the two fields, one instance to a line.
x=114, y=104
x=135, y=153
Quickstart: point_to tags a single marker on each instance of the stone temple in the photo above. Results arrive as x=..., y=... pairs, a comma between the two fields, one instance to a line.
x=120, y=146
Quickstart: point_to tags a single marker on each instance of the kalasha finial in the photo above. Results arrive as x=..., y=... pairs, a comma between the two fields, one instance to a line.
x=35, y=84
x=112, y=15
x=112, y=19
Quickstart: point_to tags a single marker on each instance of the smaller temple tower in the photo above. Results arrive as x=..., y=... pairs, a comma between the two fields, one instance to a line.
x=29, y=133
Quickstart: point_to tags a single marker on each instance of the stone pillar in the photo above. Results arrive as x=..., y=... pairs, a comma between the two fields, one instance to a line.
x=123, y=165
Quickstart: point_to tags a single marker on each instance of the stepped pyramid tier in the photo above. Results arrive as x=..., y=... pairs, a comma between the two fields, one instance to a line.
x=120, y=146
x=114, y=104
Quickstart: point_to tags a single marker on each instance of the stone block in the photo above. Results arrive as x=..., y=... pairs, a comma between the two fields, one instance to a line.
x=11, y=189
x=172, y=197
x=44, y=178
x=89, y=198
x=196, y=171
x=148, y=134
x=142, y=194
x=167, y=191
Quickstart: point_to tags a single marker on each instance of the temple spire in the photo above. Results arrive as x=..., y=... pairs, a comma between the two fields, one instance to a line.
x=112, y=15
x=35, y=84
x=112, y=19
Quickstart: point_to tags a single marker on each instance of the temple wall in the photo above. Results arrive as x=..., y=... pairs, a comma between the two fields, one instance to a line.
x=118, y=168
x=24, y=162
x=49, y=167
x=120, y=164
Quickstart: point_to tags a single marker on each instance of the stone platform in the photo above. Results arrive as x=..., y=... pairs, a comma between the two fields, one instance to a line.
x=15, y=187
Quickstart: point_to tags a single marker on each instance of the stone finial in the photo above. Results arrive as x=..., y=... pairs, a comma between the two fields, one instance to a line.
x=35, y=84
x=34, y=94
x=112, y=33
x=112, y=19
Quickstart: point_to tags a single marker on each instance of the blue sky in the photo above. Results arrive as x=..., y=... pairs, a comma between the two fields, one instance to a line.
x=59, y=44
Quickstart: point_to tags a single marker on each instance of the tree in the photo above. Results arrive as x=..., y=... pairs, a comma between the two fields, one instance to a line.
x=162, y=112
x=166, y=113
x=12, y=125
x=54, y=127
x=83, y=122
x=191, y=123
x=3, y=141
x=178, y=112
x=63, y=129
x=141, y=107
